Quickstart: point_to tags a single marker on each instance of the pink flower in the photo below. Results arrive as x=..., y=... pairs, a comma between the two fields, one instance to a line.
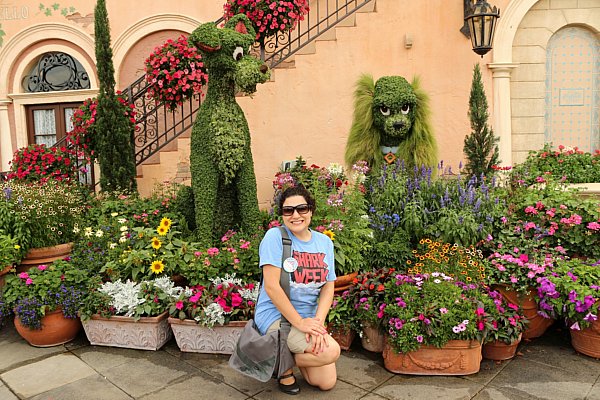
x=179, y=305
x=197, y=253
x=24, y=275
x=443, y=310
x=480, y=311
x=419, y=339
x=29, y=281
x=236, y=299
x=213, y=251
x=42, y=267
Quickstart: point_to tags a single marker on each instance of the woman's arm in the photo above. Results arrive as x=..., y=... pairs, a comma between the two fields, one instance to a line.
x=271, y=276
x=325, y=301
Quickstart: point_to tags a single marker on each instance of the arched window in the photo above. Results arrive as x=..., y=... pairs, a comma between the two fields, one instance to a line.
x=56, y=71
x=573, y=89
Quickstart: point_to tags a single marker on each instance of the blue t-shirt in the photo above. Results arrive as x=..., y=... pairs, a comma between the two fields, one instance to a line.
x=315, y=267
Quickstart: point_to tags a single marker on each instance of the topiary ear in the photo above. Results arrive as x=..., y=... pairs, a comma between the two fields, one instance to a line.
x=241, y=24
x=206, y=37
x=363, y=140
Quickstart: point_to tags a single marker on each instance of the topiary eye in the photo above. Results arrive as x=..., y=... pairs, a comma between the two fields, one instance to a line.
x=405, y=109
x=238, y=53
x=384, y=110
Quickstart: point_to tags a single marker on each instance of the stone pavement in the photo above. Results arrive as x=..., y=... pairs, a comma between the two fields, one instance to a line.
x=546, y=368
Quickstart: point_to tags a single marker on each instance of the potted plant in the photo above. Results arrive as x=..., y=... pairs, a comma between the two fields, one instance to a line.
x=435, y=325
x=572, y=292
x=368, y=297
x=128, y=314
x=5, y=311
x=505, y=326
x=210, y=319
x=269, y=17
x=45, y=301
x=41, y=218
x=342, y=323
x=40, y=163
x=175, y=72
x=10, y=253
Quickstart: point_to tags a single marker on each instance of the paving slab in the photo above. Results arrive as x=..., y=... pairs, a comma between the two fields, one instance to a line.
x=341, y=391
x=428, y=387
x=244, y=384
x=373, y=396
x=104, y=358
x=362, y=371
x=594, y=394
x=19, y=352
x=147, y=374
x=487, y=371
x=51, y=373
x=498, y=394
x=196, y=387
x=6, y=394
x=202, y=360
x=533, y=379
x=92, y=388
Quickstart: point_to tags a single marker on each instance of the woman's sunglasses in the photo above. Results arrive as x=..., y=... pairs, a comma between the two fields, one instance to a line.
x=289, y=210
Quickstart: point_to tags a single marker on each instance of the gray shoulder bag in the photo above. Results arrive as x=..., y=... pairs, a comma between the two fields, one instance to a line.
x=263, y=357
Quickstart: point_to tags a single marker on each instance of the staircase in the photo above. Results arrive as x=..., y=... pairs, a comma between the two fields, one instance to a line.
x=162, y=138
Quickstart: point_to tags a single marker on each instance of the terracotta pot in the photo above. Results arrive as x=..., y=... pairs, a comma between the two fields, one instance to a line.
x=344, y=282
x=457, y=357
x=147, y=333
x=343, y=335
x=4, y=271
x=587, y=341
x=537, y=324
x=372, y=338
x=194, y=338
x=56, y=330
x=499, y=350
x=44, y=255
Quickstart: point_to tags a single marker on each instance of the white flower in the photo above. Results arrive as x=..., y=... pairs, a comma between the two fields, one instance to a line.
x=122, y=220
x=214, y=315
x=228, y=279
x=112, y=245
x=114, y=214
x=99, y=233
x=75, y=229
x=124, y=228
x=436, y=281
x=335, y=169
x=122, y=239
x=88, y=232
x=124, y=296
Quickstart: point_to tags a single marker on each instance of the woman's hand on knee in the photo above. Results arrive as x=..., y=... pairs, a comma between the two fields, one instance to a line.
x=312, y=326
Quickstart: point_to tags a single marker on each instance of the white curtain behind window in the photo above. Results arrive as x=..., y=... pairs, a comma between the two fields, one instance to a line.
x=44, y=122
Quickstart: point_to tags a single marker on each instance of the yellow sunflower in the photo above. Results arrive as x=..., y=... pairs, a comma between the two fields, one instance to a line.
x=157, y=266
x=329, y=233
x=162, y=231
x=166, y=222
x=156, y=243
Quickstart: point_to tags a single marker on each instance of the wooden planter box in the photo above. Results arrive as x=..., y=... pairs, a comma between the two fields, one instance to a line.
x=194, y=338
x=148, y=333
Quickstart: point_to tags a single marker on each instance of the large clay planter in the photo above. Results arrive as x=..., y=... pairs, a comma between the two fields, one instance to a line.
x=344, y=282
x=587, y=341
x=457, y=357
x=537, y=324
x=148, y=333
x=194, y=338
x=343, y=336
x=44, y=255
x=56, y=330
x=372, y=338
x=499, y=350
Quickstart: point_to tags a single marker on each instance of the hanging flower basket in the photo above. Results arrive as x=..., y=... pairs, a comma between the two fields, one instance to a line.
x=175, y=73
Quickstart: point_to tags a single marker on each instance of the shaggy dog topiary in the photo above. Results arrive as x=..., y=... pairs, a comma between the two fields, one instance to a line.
x=223, y=180
x=391, y=120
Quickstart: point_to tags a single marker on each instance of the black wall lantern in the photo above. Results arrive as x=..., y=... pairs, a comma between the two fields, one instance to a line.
x=480, y=23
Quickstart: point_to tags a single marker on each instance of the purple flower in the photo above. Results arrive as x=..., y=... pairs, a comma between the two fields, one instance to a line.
x=455, y=329
x=573, y=277
x=575, y=326
x=419, y=339
x=590, y=317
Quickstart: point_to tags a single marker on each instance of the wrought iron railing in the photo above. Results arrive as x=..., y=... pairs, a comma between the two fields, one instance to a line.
x=156, y=126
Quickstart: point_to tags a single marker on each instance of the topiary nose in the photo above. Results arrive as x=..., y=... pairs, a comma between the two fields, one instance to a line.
x=398, y=125
x=263, y=69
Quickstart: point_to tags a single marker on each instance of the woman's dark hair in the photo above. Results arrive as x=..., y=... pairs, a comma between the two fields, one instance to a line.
x=298, y=190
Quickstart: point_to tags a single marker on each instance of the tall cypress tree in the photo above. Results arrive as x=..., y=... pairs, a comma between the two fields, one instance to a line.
x=481, y=146
x=114, y=142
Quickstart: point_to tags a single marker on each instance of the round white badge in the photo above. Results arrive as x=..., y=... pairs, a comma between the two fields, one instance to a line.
x=290, y=264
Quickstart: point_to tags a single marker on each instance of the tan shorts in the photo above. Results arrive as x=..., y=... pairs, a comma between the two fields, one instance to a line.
x=296, y=339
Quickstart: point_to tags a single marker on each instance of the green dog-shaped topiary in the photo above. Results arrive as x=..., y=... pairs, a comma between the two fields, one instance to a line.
x=391, y=120
x=223, y=180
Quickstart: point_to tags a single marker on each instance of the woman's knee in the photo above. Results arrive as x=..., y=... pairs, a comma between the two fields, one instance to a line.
x=332, y=352
x=328, y=384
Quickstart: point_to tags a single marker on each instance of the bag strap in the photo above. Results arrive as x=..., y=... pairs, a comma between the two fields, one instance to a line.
x=284, y=278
